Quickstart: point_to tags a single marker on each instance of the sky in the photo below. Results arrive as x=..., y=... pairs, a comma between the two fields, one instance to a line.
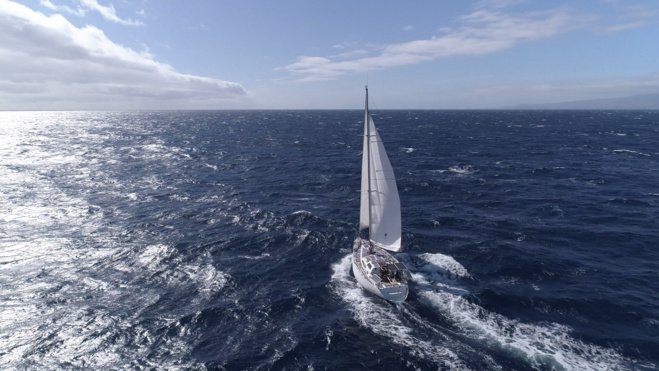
x=319, y=54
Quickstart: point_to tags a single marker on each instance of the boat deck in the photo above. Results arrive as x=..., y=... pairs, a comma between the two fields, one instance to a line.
x=389, y=266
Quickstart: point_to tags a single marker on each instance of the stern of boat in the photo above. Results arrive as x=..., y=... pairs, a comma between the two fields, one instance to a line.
x=396, y=294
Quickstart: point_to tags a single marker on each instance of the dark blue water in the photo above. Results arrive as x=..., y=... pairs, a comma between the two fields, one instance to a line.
x=221, y=240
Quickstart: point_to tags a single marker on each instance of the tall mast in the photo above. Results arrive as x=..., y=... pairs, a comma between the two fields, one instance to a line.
x=368, y=151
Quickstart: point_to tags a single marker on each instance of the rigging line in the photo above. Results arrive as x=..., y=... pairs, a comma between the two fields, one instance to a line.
x=372, y=104
x=370, y=99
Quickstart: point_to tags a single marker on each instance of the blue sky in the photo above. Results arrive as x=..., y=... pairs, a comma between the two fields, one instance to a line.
x=288, y=54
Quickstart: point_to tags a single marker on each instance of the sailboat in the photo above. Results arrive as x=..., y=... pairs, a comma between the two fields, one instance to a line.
x=379, y=214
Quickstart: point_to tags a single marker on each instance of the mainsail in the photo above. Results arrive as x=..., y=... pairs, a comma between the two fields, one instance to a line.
x=380, y=205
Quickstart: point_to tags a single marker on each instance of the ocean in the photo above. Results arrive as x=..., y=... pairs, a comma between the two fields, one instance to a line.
x=220, y=240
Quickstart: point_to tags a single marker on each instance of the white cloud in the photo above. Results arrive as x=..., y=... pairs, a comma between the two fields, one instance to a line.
x=45, y=60
x=484, y=31
x=624, y=26
x=497, y=4
x=63, y=8
x=350, y=54
x=632, y=16
x=641, y=11
x=108, y=12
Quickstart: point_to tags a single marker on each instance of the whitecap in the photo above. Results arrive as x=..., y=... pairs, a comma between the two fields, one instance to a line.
x=302, y=212
x=255, y=257
x=468, y=169
x=618, y=151
x=440, y=262
x=152, y=256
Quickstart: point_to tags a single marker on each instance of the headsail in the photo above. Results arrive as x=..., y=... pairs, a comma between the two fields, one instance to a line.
x=380, y=203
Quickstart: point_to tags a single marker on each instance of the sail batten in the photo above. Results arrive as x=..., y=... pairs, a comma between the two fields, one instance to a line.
x=380, y=203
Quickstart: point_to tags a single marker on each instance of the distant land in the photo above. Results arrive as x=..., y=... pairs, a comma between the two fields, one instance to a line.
x=646, y=101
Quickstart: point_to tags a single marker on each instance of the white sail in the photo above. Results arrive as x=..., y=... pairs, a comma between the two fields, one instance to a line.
x=385, y=228
x=379, y=190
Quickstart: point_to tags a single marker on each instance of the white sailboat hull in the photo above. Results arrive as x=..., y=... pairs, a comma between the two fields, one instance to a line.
x=394, y=290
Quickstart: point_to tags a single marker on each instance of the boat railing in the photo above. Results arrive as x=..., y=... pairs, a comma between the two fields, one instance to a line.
x=390, y=284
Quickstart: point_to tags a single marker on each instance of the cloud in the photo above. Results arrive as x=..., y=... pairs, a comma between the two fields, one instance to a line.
x=624, y=26
x=630, y=17
x=46, y=59
x=639, y=11
x=62, y=8
x=497, y=4
x=484, y=31
x=108, y=12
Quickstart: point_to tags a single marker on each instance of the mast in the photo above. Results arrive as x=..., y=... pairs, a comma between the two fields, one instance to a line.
x=368, y=150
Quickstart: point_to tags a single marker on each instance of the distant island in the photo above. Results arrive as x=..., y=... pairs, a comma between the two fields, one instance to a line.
x=646, y=101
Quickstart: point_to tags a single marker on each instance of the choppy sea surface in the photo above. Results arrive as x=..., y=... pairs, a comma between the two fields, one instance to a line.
x=220, y=240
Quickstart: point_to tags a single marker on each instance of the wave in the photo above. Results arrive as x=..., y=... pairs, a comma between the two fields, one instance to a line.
x=391, y=321
x=445, y=263
x=181, y=241
x=627, y=151
x=436, y=280
x=87, y=296
x=463, y=170
x=164, y=265
x=541, y=345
